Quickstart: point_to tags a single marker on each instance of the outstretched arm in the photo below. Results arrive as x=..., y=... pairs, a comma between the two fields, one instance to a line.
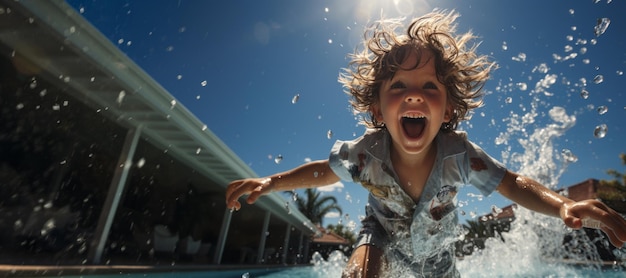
x=312, y=174
x=589, y=213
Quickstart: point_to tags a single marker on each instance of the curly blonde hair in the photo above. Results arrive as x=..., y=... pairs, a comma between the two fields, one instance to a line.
x=458, y=66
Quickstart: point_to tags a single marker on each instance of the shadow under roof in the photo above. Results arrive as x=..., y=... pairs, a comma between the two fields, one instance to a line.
x=51, y=37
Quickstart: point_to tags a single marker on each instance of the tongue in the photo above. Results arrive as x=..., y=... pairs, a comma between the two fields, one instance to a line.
x=413, y=127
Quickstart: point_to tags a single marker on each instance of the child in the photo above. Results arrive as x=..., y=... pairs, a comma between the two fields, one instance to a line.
x=416, y=88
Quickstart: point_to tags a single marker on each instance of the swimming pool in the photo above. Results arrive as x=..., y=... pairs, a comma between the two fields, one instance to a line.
x=479, y=266
x=332, y=271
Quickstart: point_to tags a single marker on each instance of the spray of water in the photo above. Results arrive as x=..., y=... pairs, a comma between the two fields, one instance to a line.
x=533, y=238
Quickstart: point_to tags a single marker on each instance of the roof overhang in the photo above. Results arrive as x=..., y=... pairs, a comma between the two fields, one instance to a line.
x=52, y=38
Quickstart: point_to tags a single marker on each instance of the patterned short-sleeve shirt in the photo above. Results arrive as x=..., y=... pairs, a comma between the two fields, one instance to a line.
x=393, y=218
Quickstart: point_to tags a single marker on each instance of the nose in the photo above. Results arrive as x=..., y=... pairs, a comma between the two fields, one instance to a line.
x=414, y=96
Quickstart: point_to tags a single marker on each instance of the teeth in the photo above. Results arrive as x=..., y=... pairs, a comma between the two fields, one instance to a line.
x=414, y=116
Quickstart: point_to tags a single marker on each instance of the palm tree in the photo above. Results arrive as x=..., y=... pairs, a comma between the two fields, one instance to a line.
x=314, y=206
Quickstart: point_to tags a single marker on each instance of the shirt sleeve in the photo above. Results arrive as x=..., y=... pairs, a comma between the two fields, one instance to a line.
x=484, y=172
x=338, y=160
x=348, y=158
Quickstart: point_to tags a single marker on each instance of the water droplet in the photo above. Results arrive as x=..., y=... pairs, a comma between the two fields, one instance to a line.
x=173, y=103
x=598, y=79
x=602, y=109
x=519, y=58
x=568, y=156
x=198, y=150
x=203, y=83
x=141, y=162
x=508, y=100
x=294, y=196
x=522, y=86
x=295, y=98
x=600, y=131
x=120, y=97
x=329, y=134
x=495, y=210
x=601, y=26
x=278, y=159
x=584, y=94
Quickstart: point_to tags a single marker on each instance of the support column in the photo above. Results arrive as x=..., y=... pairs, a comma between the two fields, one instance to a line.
x=307, y=243
x=299, y=256
x=118, y=183
x=261, y=252
x=283, y=260
x=221, y=242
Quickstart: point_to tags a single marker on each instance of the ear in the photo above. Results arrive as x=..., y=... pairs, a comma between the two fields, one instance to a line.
x=447, y=116
x=377, y=113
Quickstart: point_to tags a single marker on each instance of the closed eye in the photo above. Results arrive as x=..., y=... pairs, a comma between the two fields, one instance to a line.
x=397, y=85
x=430, y=85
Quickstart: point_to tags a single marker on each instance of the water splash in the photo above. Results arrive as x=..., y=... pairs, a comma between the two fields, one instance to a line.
x=331, y=267
x=533, y=237
x=584, y=94
x=598, y=79
x=601, y=26
x=568, y=156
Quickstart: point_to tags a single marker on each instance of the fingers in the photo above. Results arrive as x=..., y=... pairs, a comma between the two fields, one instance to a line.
x=255, y=188
x=233, y=192
x=573, y=222
x=595, y=214
x=253, y=196
x=613, y=237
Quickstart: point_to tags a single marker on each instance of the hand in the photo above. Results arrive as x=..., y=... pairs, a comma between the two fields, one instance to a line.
x=252, y=187
x=595, y=214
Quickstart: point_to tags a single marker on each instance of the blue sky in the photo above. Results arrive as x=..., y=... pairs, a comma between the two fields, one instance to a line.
x=237, y=66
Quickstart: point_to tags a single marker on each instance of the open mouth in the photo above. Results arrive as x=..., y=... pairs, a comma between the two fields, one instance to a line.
x=413, y=127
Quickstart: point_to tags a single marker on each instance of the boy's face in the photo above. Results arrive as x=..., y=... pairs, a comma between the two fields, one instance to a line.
x=413, y=104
